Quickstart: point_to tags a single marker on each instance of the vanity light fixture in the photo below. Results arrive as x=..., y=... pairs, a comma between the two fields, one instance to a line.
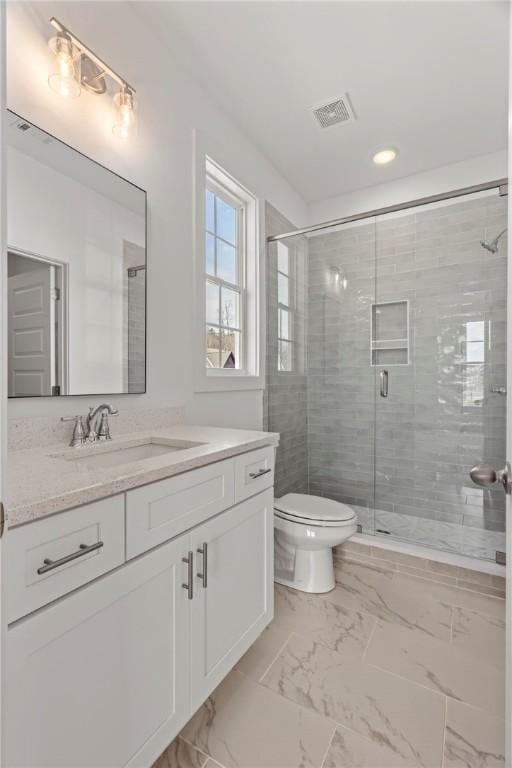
x=385, y=156
x=74, y=66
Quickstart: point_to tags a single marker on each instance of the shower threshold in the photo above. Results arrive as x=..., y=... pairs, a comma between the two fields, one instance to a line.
x=427, y=552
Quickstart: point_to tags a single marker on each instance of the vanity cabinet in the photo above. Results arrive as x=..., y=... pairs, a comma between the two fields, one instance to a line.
x=109, y=673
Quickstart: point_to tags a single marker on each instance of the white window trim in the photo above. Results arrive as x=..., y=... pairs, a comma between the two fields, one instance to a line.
x=251, y=376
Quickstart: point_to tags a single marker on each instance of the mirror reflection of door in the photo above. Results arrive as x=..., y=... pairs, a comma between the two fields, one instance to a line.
x=134, y=266
x=36, y=352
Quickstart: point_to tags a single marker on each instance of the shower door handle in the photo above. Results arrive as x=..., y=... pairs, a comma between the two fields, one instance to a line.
x=484, y=475
x=384, y=379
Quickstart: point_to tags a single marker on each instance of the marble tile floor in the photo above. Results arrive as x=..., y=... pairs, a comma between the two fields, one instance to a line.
x=386, y=671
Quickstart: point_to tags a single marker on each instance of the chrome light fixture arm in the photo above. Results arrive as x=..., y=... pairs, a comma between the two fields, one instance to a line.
x=86, y=51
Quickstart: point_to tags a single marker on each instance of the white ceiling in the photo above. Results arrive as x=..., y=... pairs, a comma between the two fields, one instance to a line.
x=429, y=78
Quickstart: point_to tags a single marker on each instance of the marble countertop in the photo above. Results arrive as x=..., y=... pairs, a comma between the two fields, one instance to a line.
x=42, y=481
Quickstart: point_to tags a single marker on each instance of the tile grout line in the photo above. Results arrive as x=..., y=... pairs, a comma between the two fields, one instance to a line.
x=412, y=682
x=423, y=575
x=191, y=744
x=329, y=745
x=281, y=649
x=444, y=730
x=464, y=590
x=370, y=637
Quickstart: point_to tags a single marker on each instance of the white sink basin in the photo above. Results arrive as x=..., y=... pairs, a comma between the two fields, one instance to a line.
x=102, y=456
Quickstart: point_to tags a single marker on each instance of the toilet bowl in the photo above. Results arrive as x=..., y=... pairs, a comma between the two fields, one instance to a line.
x=306, y=528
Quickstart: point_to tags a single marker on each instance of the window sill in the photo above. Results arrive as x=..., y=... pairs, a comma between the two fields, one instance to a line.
x=229, y=383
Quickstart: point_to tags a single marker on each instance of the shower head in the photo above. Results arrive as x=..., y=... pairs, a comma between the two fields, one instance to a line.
x=492, y=245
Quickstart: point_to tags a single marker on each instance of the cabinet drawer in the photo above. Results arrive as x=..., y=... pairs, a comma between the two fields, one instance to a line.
x=89, y=540
x=254, y=471
x=160, y=511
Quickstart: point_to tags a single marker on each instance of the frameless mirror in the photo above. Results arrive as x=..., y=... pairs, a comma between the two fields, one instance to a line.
x=76, y=235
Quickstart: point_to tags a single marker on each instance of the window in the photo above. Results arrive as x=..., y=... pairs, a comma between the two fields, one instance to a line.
x=474, y=362
x=227, y=269
x=225, y=283
x=285, y=309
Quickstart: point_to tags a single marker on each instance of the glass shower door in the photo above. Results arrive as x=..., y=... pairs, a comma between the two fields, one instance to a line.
x=438, y=347
x=341, y=397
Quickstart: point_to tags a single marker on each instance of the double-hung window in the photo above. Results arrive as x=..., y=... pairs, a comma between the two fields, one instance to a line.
x=230, y=283
x=225, y=278
x=473, y=390
x=285, y=309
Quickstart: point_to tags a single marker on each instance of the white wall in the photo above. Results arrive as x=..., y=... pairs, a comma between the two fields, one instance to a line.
x=171, y=106
x=55, y=216
x=444, y=179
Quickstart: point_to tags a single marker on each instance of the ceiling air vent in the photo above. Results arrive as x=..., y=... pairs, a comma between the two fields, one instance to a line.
x=336, y=111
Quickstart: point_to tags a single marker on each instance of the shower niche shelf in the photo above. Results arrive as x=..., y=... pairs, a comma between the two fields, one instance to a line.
x=390, y=333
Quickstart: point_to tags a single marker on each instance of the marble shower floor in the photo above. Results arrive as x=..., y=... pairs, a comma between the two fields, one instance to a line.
x=449, y=537
x=386, y=671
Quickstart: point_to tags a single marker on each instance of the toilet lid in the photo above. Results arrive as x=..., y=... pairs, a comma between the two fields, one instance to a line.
x=305, y=507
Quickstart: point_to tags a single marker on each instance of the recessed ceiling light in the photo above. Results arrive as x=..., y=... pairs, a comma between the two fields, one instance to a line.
x=384, y=156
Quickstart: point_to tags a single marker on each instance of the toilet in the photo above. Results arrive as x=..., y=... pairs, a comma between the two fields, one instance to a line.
x=306, y=528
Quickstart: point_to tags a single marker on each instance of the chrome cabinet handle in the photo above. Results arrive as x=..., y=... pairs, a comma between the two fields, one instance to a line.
x=259, y=473
x=84, y=549
x=204, y=575
x=384, y=380
x=189, y=560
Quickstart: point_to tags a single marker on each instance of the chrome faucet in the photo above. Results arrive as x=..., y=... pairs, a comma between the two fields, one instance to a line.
x=96, y=425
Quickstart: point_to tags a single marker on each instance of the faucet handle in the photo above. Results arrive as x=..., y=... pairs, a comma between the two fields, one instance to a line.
x=78, y=431
x=104, y=428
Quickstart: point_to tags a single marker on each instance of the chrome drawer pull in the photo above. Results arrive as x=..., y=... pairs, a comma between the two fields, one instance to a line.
x=204, y=575
x=49, y=565
x=259, y=473
x=189, y=560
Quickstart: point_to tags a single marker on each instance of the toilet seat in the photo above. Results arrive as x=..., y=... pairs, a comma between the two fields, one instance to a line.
x=303, y=509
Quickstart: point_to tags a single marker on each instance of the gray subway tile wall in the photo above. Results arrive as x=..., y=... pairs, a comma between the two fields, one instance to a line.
x=285, y=403
x=404, y=460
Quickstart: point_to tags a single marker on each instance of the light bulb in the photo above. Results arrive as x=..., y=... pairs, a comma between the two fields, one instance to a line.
x=384, y=156
x=125, y=120
x=64, y=77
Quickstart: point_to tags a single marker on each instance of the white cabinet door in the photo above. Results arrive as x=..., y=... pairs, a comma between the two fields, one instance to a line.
x=236, y=604
x=101, y=677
